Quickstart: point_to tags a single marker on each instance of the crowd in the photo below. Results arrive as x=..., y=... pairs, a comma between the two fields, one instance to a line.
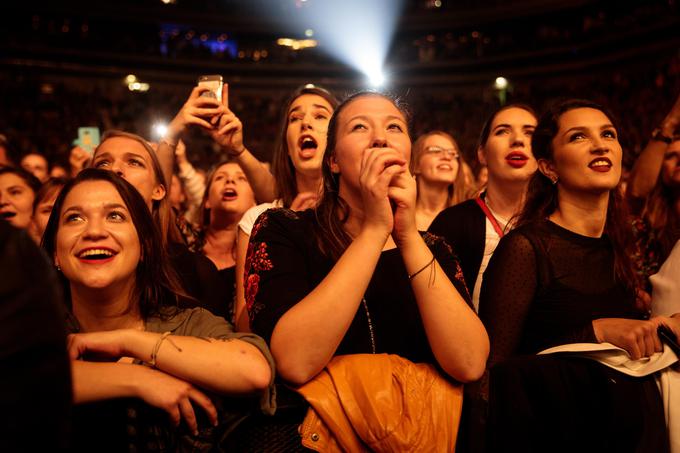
x=403, y=300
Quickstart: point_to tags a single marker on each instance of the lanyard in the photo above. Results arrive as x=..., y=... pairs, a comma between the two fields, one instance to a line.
x=487, y=212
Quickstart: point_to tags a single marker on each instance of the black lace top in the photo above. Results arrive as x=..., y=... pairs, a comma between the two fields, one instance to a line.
x=284, y=264
x=545, y=285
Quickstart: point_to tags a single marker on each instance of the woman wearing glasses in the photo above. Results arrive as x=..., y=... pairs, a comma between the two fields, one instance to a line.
x=437, y=164
x=473, y=228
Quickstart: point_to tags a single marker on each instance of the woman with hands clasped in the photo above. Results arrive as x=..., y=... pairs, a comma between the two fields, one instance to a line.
x=354, y=275
x=124, y=310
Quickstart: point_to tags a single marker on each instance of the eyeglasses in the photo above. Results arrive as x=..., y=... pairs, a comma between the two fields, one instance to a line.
x=439, y=151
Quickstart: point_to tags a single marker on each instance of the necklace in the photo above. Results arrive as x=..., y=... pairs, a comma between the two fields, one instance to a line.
x=370, y=324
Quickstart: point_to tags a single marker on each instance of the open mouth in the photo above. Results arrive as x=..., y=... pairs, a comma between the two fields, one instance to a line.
x=517, y=159
x=7, y=215
x=229, y=194
x=96, y=254
x=444, y=167
x=308, y=146
x=601, y=164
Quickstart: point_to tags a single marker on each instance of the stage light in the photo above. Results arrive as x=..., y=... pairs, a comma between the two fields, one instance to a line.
x=131, y=78
x=501, y=83
x=356, y=32
x=159, y=130
x=376, y=78
x=309, y=33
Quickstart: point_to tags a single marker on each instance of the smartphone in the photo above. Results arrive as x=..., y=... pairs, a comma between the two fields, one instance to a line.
x=667, y=336
x=214, y=83
x=88, y=138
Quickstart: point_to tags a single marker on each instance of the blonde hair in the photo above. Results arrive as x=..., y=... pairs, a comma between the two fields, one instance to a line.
x=459, y=190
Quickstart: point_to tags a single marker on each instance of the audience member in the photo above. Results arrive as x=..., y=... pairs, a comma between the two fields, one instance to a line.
x=654, y=197
x=227, y=197
x=297, y=170
x=36, y=164
x=354, y=250
x=473, y=228
x=42, y=206
x=564, y=276
x=17, y=192
x=437, y=164
x=132, y=158
x=130, y=337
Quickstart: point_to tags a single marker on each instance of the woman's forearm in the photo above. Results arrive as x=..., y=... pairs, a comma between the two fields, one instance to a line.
x=97, y=381
x=455, y=333
x=259, y=176
x=224, y=366
x=306, y=337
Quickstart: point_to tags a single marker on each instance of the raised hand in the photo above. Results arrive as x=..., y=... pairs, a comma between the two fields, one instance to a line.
x=379, y=166
x=78, y=159
x=198, y=110
x=403, y=193
x=228, y=132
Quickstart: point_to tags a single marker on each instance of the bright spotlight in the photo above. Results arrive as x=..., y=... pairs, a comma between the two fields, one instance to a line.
x=309, y=33
x=160, y=129
x=356, y=32
x=376, y=78
x=131, y=78
x=501, y=83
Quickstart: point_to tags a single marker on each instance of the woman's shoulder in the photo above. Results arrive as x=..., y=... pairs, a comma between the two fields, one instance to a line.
x=283, y=220
x=250, y=216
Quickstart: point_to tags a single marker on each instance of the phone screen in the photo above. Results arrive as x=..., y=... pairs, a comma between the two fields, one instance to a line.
x=214, y=83
x=88, y=138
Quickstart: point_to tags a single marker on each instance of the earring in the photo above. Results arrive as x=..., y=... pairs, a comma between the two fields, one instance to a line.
x=554, y=179
x=58, y=267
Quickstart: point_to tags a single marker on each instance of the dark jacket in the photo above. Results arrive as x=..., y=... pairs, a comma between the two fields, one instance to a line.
x=463, y=226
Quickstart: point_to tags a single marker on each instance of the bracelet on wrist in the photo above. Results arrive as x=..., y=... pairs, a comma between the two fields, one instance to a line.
x=237, y=154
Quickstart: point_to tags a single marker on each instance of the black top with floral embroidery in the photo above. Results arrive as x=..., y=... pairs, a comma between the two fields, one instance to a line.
x=284, y=264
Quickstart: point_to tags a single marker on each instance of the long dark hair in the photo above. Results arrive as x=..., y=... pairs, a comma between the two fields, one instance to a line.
x=542, y=199
x=282, y=167
x=486, y=128
x=332, y=211
x=156, y=284
x=31, y=181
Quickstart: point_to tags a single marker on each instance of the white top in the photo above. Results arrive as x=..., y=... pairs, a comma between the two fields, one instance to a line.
x=251, y=215
x=491, y=240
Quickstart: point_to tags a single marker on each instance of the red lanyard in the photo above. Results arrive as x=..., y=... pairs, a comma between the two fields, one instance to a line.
x=487, y=212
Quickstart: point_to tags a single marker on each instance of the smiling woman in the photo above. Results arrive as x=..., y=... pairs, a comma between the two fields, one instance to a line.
x=125, y=307
x=564, y=276
x=437, y=164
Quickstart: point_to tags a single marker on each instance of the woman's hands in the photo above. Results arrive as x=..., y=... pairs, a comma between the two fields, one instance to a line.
x=228, y=132
x=639, y=338
x=174, y=396
x=380, y=168
x=105, y=344
x=198, y=110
